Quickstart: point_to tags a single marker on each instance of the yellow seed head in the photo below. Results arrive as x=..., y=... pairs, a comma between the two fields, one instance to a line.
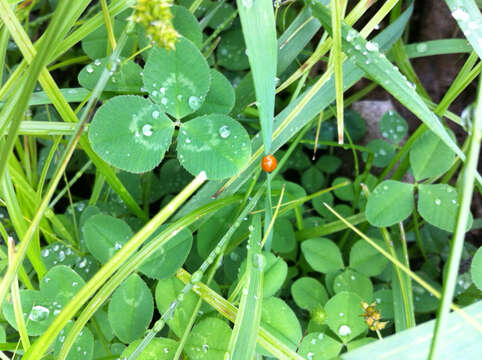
x=156, y=17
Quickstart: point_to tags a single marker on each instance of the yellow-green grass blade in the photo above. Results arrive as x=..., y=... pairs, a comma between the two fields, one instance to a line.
x=243, y=339
x=269, y=341
x=337, y=58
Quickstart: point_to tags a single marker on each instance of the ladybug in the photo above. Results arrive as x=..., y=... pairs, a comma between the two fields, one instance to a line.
x=269, y=163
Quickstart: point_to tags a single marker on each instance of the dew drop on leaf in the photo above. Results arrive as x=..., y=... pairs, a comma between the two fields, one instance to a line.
x=193, y=102
x=344, y=330
x=155, y=114
x=39, y=313
x=97, y=62
x=89, y=69
x=438, y=201
x=147, y=130
x=224, y=131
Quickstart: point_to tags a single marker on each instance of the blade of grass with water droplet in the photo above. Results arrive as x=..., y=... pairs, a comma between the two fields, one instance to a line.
x=467, y=15
x=243, y=339
x=367, y=56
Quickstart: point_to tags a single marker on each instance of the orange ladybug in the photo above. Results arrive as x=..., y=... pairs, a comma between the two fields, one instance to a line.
x=269, y=163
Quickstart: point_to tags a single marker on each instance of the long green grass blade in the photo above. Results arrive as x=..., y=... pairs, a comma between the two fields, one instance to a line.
x=337, y=58
x=259, y=29
x=466, y=188
x=243, y=339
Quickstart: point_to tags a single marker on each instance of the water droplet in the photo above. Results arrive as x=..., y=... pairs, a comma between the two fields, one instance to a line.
x=259, y=261
x=460, y=14
x=353, y=277
x=45, y=252
x=196, y=277
x=194, y=102
x=371, y=46
x=75, y=283
x=97, y=62
x=188, y=141
x=89, y=69
x=147, y=130
x=224, y=131
x=155, y=114
x=117, y=245
x=438, y=201
x=164, y=101
x=61, y=256
x=473, y=25
x=247, y=3
x=83, y=263
x=205, y=347
x=39, y=313
x=344, y=330
x=56, y=248
x=454, y=201
x=422, y=47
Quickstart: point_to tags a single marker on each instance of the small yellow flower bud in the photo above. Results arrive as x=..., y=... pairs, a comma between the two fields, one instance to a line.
x=156, y=17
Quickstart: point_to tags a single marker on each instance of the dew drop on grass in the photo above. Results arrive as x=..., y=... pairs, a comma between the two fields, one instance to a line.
x=259, y=261
x=224, y=131
x=147, y=130
x=155, y=114
x=422, y=47
x=371, y=46
x=39, y=313
x=247, y=3
x=460, y=14
x=344, y=330
x=193, y=102
x=196, y=277
x=89, y=69
x=438, y=201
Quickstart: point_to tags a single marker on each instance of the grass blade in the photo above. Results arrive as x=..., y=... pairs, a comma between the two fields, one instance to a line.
x=243, y=339
x=257, y=20
x=337, y=57
x=465, y=190
x=467, y=15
